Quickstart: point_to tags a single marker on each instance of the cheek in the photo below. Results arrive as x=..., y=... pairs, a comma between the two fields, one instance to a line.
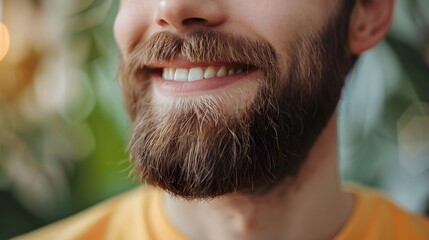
x=131, y=24
x=262, y=20
x=280, y=21
x=119, y=32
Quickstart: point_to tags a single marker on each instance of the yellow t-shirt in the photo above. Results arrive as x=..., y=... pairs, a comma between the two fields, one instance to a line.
x=140, y=214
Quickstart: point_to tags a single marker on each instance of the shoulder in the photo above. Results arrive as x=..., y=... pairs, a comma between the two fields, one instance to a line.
x=377, y=217
x=103, y=221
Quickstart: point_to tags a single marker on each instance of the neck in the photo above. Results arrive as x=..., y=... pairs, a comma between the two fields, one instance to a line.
x=311, y=201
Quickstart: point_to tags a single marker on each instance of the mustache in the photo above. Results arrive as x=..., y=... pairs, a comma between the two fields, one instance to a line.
x=202, y=47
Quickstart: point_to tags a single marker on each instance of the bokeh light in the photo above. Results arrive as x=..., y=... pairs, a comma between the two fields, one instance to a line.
x=4, y=40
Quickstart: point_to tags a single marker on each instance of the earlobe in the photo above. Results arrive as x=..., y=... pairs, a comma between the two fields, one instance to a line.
x=369, y=23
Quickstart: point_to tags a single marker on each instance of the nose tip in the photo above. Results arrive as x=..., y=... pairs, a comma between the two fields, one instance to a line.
x=185, y=15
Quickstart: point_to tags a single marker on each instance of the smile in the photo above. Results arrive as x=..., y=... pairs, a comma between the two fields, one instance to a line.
x=182, y=76
x=201, y=73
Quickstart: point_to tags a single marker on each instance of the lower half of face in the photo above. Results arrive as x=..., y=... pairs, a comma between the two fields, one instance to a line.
x=215, y=114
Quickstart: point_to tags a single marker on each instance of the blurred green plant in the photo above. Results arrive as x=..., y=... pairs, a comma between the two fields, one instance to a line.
x=64, y=130
x=384, y=122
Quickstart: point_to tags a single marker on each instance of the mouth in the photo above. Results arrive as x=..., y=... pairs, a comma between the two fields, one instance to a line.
x=198, y=77
x=201, y=73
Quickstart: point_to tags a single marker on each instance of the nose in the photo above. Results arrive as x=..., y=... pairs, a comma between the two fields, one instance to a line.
x=187, y=15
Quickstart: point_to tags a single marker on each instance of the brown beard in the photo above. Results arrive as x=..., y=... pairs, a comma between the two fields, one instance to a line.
x=193, y=149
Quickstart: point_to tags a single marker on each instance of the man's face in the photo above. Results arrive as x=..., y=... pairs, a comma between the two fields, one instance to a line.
x=228, y=95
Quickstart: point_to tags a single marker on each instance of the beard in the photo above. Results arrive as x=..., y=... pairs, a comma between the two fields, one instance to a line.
x=195, y=149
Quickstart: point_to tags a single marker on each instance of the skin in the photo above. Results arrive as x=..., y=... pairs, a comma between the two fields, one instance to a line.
x=295, y=209
x=137, y=21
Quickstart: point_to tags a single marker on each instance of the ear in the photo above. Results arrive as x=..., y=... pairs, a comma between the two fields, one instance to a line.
x=369, y=23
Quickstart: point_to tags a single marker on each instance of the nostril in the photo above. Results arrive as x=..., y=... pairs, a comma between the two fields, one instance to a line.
x=194, y=21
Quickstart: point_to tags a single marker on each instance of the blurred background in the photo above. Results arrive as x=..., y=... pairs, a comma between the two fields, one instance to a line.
x=64, y=132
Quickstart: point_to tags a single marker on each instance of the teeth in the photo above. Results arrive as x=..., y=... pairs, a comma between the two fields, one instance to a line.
x=181, y=75
x=171, y=73
x=210, y=72
x=168, y=74
x=198, y=73
x=231, y=72
x=222, y=72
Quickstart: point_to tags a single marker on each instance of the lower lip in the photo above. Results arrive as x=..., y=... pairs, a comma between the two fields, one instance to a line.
x=199, y=86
